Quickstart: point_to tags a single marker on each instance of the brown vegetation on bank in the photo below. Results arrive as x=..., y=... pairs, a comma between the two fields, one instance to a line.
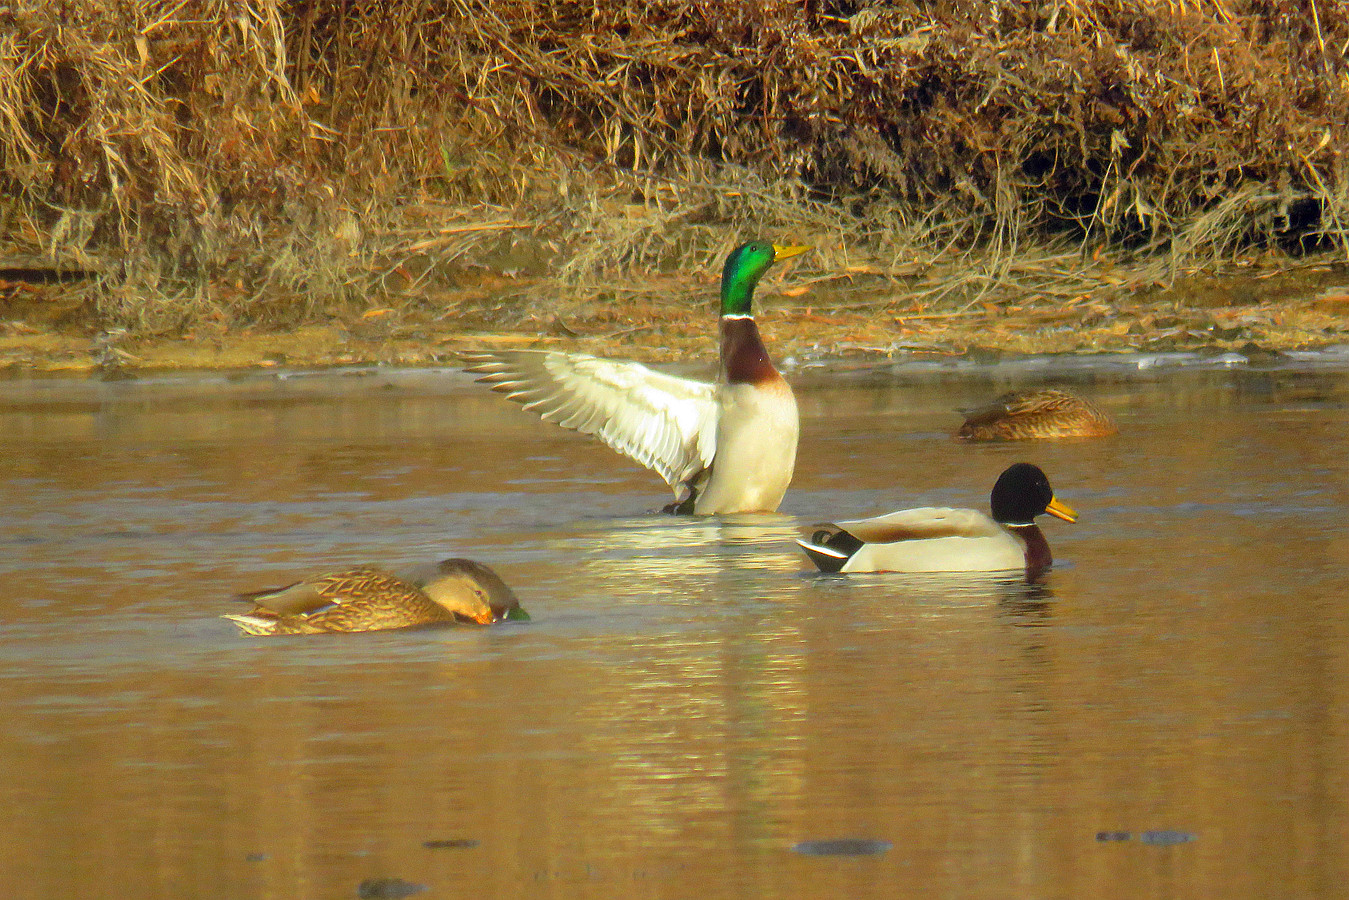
x=174, y=164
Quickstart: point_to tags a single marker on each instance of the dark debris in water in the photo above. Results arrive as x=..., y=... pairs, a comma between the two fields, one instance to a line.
x=1159, y=838
x=388, y=889
x=843, y=847
x=1166, y=838
x=451, y=844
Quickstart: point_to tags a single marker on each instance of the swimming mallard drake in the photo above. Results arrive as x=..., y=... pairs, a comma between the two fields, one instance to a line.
x=726, y=447
x=367, y=599
x=934, y=539
x=1034, y=415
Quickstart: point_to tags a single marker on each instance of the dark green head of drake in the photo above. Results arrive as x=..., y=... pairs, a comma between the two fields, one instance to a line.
x=1021, y=493
x=744, y=267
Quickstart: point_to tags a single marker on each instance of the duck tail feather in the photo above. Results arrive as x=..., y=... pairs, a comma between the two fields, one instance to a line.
x=826, y=558
x=259, y=625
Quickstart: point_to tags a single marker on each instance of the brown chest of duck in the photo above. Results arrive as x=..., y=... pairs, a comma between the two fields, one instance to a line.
x=723, y=447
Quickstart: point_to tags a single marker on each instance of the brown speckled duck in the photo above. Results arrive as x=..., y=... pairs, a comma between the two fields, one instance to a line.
x=1034, y=415
x=367, y=599
x=724, y=447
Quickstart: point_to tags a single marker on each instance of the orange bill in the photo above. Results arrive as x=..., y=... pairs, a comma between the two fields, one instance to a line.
x=1061, y=511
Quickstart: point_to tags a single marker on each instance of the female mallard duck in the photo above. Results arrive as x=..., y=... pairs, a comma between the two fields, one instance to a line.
x=726, y=447
x=948, y=540
x=366, y=599
x=1034, y=415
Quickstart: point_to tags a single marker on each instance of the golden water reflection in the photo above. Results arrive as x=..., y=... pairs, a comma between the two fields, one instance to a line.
x=690, y=702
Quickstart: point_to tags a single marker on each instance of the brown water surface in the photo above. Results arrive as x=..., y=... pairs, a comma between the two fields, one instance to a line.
x=691, y=712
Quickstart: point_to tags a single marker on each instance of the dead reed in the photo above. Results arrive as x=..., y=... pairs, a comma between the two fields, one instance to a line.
x=267, y=161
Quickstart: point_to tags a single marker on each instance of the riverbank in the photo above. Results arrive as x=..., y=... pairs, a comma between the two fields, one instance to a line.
x=330, y=183
x=805, y=314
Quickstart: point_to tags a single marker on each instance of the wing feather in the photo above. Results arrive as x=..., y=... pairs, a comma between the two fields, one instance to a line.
x=666, y=423
x=918, y=524
x=322, y=592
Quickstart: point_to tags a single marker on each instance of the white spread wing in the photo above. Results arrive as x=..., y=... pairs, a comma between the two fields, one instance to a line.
x=922, y=523
x=667, y=424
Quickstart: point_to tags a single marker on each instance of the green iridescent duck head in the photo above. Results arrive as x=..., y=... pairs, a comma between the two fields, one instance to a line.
x=744, y=267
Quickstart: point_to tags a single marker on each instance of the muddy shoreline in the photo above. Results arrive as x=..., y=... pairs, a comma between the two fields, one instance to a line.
x=672, y=320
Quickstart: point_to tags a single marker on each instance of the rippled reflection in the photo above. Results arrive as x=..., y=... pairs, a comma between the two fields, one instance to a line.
x=693, y=709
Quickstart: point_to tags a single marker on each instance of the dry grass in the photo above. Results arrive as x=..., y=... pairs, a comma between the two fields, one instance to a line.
x=269, y=162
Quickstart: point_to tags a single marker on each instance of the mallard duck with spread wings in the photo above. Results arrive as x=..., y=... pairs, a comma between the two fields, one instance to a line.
x=724, y=447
